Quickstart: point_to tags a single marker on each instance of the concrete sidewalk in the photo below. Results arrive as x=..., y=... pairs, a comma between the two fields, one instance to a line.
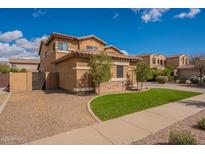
x=131, y=127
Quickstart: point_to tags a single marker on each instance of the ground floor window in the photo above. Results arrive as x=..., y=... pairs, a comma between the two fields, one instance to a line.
x=119, y=71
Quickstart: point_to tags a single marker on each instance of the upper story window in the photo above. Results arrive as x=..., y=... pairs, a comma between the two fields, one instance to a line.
x=119, y=71
x=63, y=46
x=161, y=62
x=92, y=47
x=153, y=60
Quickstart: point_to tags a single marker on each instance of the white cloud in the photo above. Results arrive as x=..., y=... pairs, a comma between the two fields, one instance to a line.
x=124, y=52
x=38, y=13
x=22, y=47
x=11, y=36
x=191, y=14
x=151, y=15
x=116, y=15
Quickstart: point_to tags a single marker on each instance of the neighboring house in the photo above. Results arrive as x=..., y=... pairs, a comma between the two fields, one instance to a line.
x=157, y=61
x=30, y=65
x=188, y=71
x=178, y=60
x=69, y=56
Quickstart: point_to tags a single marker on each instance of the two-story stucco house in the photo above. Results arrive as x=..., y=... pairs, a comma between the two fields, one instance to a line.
x=178, y=60
x=69, y=56
x=156, y=61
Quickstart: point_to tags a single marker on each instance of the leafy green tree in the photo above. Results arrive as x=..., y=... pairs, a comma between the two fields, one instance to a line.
x=143, y=73
x=168, y=71
x=100, y=71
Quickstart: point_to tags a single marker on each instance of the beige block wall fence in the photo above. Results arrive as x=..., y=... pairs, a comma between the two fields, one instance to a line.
x=22, y=82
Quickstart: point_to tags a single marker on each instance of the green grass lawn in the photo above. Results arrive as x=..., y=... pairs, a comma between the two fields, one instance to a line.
x=116, y=105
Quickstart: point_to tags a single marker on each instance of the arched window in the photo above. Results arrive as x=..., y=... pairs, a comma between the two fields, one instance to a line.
x=161, y=62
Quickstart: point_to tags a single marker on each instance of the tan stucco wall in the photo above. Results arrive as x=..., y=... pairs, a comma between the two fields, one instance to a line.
x=52, y=80
x=67, y=75
x=173, y=61
x=146, y=60
x=47, y=64
x=91, y=42
x=20, y=82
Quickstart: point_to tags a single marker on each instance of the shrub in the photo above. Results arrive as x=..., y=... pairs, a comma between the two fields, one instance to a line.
x=182, y=138
x=204, y=80
x=162, y=79
x=4, y=68
x=201, y=123
x=23, y=70
x=171, y=78
x=194, y=80
x=182, y=80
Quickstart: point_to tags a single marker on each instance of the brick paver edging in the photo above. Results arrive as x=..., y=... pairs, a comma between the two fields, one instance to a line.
x=89, y=102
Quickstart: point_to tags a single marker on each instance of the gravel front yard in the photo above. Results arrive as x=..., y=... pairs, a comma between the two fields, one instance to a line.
x=37, y=114
x=161, y=137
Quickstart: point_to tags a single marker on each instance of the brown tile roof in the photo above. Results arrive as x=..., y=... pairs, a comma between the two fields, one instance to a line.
x=175, y=56
x=186, y=66
x=112, y=46
x=87, y=54
x=65, y=36
x=145, y=55
x=92, y=36
x=23, y=61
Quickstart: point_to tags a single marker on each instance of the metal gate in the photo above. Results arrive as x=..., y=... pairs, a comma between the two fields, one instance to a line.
x=38, y=80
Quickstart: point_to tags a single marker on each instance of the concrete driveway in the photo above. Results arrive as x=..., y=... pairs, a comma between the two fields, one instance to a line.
x=37, y=114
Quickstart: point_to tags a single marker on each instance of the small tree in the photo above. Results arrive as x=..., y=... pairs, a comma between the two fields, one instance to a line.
x=168, y=70
x=143, y=73
x=199, y=65
x=100, y=71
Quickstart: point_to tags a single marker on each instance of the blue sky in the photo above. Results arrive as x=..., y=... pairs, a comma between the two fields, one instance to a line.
x=166, y=31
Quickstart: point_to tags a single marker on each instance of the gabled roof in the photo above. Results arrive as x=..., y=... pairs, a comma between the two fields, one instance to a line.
x=112, y=46
x=23, y=61
x=92, y=36
x=175, y=56
x=144, y=55
x=88, y=54
x=65, y=36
